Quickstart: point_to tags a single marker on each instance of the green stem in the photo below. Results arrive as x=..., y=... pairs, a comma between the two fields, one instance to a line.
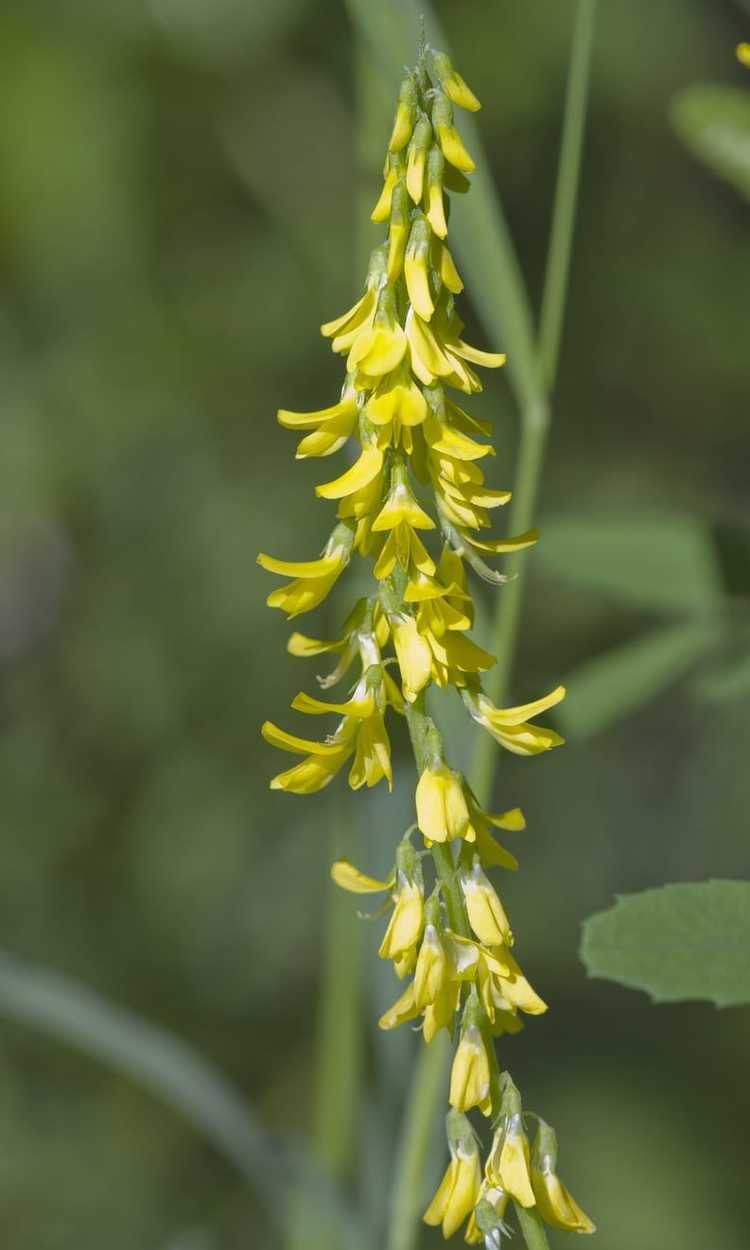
x=420, y=1124
x=566, y=193
x=532, y=1228
x=535, y=416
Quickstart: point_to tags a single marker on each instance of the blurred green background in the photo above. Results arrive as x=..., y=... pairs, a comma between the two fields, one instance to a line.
x=176, y=218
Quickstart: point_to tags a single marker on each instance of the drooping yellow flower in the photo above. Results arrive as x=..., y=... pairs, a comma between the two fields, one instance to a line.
x=470, y=1074
x=405, y=925
x=508, y=1163
x=486, y=913
x=313, y=579
x=511, y=726
x=457, y=1193
x=556, y=1204
x=442, y=811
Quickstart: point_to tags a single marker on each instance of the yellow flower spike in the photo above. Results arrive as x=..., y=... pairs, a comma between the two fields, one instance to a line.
x=417, y=269
x=743, y=54
x=413, y=654
x=417, y=158
x=459, y=1189
x=509, y=726
x=406, y=110
x=442, y=813
x=470, y=1073
x=361, y=474
x=449, y=139
x=556, y=1204
x=486, y=913
x=404, y=1009
x=345, y=875
x=398, y=232
x=453, y=84
x=435, y=208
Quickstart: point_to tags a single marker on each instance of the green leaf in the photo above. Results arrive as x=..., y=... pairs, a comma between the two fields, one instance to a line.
x=678, y=942
x=611, y=686
x=727, y=680
x=714, y=122
x=665, y=562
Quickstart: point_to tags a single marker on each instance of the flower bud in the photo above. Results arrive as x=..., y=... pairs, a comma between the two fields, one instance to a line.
x=442, y=814
x=453, y=84
x=416, y=158
x=432, y=969
x=470, y=1074
x=398, y=231
x=406, y=111
x=486, y=913
x=449, y=139
x=417, y=268
x=435, y=206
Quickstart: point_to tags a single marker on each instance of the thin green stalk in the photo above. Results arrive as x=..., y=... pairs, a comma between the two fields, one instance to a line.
x=421, y=1121
x=532, y=1228
x=566, y=193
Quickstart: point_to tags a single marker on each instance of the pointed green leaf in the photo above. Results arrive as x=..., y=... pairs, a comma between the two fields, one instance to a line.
x=677, y=942
x=611, y=686
x=665, y=562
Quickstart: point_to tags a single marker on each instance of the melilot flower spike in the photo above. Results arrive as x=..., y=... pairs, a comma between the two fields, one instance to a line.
x=412, y=501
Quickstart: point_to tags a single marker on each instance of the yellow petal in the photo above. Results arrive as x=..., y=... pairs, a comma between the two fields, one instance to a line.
x=354, y=315
x=298, y=746
x=350, y=878
x=359, y=475
x=453, y=148
x=299, y=568
x=309, y=420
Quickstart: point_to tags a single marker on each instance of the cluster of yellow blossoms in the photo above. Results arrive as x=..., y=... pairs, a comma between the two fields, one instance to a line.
x=404, y=350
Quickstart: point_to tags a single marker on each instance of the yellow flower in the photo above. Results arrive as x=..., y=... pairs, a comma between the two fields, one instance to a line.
x=406, y=111
x=405, y=925
x=413, y=653
x=450, y=141
x=331, y=427
x=404, y=1009
x=313, y=579
x=503, y=988
x=508, y=1165
x=453, y=84
x=379, y=346
x=556, y=1204
x=361, y=732
x=457, y=1193
x=442, y=813
x=416, y=158
x=432, y=970
x=486, y=913
x=743, y=54
x=510, y=726
x=470, y=1074
x=417, y=266
x=344, y=873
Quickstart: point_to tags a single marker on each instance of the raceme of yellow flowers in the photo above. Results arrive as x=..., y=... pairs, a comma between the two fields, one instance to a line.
x=414, y=501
